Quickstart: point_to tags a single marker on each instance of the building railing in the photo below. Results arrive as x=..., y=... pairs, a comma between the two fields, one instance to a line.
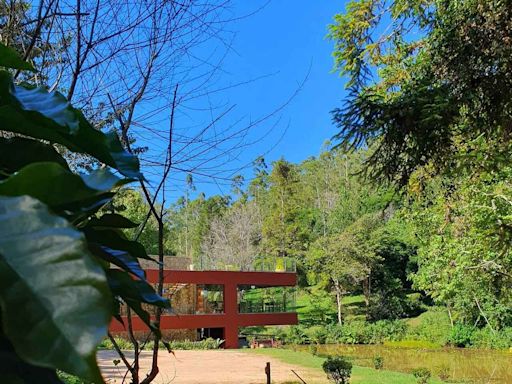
x=260, y=264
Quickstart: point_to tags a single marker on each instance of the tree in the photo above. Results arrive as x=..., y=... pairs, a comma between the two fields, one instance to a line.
x=233, y=238
x=430, y=96
x=429, y=88
x=282, y=234
x=347, y=258
x=59, y=289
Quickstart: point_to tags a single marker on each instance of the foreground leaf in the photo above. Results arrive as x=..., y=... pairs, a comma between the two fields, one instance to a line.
x=122, y=259
x=57, y=186
x=9, y=58
x=134, y=293
x=111, y=220
x=17, y=152
x=116, y=240
x=34, y=112
x=54, y=298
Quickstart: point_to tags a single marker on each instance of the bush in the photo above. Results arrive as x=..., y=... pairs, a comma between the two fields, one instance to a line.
x=338, y=369
x=461, y=335
x=316, y=334
x=422, y=375
x=444, y=372
x=296, y=335
x=434, y=326
x=378, y=362
x=486, y=338
x=361, y=332
x=69, y=379
x=208, y=343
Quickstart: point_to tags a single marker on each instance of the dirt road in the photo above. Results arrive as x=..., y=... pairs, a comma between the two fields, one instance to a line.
x=210, y=367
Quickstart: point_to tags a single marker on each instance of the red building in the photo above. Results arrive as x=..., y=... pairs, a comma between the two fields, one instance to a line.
x=218, y=302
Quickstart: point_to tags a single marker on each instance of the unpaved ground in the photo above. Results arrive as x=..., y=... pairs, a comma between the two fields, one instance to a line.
x=210, y=367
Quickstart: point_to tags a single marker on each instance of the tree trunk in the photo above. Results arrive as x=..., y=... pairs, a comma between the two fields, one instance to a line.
x=367, y=289
x=339, y=295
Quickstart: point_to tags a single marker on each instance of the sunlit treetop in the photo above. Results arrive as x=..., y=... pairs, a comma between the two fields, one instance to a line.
x=426, y=78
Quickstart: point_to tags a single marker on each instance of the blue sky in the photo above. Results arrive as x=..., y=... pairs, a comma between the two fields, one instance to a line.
x=283, y=45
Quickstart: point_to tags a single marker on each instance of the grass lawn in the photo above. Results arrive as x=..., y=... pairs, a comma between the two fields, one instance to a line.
x=360, y=375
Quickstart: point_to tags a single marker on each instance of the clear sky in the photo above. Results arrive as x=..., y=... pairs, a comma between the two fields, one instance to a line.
x=283, y=44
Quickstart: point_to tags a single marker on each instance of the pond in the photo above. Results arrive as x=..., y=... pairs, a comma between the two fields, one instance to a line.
x=459, y=365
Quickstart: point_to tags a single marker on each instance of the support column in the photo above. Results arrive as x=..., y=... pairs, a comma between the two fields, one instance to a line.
x=231, y=313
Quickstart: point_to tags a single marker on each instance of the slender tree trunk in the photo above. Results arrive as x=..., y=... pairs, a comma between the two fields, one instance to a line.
x=367, y=289
x=450, y=314
x=339, y=295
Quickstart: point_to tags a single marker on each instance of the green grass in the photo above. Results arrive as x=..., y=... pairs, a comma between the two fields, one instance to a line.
x=360, y=375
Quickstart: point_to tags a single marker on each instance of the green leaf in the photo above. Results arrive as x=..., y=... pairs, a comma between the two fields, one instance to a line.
x=78, y=213
x=51, y=105
x=134, y=292
x=36, y=113
x=116, y=240
x=120, y=258
x=55, y=301
x=9, y=58
x=57, y=186
x=111, y=220
x=17, y=152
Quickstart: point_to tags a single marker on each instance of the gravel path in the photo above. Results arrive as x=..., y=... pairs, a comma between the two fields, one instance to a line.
x=215, y=367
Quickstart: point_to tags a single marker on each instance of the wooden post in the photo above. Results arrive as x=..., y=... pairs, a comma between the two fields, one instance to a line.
x=267, y=372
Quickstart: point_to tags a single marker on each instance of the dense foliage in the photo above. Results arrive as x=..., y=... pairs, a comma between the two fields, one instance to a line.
x=429, y=86
x=58, y=291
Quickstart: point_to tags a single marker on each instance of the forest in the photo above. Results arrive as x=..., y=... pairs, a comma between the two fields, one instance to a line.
x=400, y=254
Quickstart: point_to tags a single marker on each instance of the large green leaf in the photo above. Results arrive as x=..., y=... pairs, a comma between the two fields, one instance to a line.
x=34, y=112
x=116, y=240
x=57, y=186
x=52, y=105
x=54, y=298
x=78, y=213
x=134, y=292
x=17, y=152
x=120, y=258
x=9, y=58
x=111, y=220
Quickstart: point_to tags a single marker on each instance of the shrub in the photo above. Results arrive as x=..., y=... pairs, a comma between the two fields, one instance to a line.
x=422, y=375
x=361, y=332
x=296, y=335
x=443, y=372
x=461, y=335
x=378, y=362
x=205, y=344
x=313, y=349
x=338, y=369
x=316, y=334
x=69, y=379
x=208, y=343
x=486, y=338
x=434, y=326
